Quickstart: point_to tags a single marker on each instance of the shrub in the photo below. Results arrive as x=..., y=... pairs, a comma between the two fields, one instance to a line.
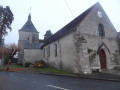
x=43, y=63
x=31, y=66
x=27, y=64
x=6, y=59
x=14, y=60
x=40, y=64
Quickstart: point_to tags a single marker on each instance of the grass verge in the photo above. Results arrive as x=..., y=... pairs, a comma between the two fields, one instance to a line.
x=16, y=68
x=50, y=70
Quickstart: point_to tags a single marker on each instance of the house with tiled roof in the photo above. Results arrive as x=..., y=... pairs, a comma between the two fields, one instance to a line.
x=87, y=43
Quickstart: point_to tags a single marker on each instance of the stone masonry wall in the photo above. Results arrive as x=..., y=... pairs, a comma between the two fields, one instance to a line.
x=73, y=53
x=89, y=29
x=31, y=55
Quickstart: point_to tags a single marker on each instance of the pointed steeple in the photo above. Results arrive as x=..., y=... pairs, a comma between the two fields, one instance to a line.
x=28, y=26
x=29, y=17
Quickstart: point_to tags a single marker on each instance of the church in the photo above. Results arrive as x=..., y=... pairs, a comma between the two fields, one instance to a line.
x=89, y=42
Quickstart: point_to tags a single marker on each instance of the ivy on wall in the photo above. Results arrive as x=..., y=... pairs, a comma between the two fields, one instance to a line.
x=92, y=55
x=116, y=58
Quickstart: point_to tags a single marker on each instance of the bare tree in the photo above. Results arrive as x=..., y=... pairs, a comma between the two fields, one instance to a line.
x=11, y=50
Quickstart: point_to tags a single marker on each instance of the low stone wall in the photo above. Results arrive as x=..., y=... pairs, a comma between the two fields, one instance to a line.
x=31, y=55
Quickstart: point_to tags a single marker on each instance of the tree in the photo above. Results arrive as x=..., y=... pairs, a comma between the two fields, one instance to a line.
x=11, y=49
x=6, y=18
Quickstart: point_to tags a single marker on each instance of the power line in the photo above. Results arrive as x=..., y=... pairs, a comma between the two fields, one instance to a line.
x=69, y=8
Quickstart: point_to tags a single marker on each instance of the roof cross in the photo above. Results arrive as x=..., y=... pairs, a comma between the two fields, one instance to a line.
x=30, y=9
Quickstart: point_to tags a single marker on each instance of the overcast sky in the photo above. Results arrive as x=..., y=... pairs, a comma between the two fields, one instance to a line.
x=54, y=14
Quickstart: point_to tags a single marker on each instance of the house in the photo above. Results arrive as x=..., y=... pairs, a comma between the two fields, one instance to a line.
x=87, y=43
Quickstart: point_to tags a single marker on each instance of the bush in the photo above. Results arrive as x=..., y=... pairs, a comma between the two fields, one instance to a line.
x=31, y=66
x=40, y=64
x=6, y=59
x=27, y=64
x=14, y=60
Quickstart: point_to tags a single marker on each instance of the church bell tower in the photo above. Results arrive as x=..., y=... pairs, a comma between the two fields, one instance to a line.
x=27, y=35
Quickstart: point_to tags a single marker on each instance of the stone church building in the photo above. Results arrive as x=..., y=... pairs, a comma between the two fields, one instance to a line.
x=89, y=42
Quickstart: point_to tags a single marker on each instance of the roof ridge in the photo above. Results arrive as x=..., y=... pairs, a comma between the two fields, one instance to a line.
x=68, y=27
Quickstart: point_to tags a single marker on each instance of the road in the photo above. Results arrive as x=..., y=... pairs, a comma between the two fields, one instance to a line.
x=27, y=81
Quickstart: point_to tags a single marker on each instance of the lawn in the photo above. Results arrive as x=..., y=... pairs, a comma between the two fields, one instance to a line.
x=50, y=70
x=18, y=68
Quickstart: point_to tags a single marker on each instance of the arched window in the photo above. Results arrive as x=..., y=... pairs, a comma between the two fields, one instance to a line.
x=48, y=51
x=55, y=50
x=28, y=38
x=33, y=38
x=44, y=52
x=101, y=30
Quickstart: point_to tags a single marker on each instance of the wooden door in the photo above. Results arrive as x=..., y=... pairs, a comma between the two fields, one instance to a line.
x=103, y=59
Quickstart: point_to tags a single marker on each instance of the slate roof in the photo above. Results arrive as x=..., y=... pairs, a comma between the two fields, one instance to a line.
x=41, y=41
x=69, y=27
x=118, y=33
x=28, y=45
x=28, y=26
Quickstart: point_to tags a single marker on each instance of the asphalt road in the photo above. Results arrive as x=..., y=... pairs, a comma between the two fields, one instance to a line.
x=26, y=81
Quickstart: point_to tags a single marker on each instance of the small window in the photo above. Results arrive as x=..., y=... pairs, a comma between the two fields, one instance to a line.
x=101, y=30
x=55, y=50
x=28, y=38
x=33, y=38
x=48, y=51
x=44, y=52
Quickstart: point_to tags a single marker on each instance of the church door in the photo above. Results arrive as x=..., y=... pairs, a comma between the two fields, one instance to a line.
x=102, y=59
